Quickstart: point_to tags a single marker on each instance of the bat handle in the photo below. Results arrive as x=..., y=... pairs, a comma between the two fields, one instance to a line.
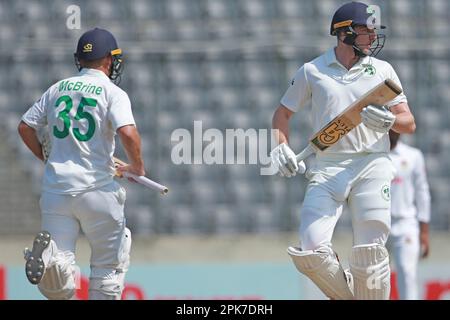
x=147, y=182
x=309, y=150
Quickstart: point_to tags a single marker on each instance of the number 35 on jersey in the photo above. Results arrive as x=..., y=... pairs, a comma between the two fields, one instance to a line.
x=82, y=118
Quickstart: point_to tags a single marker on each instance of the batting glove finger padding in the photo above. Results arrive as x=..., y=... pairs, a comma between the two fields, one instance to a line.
x=281, y=164
x=285, y=160
x=377, y=119
x=291, y=161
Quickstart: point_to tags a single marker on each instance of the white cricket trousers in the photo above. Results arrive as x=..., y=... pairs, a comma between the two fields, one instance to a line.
x=404, y=245
x=360, y=181
x=99, y=214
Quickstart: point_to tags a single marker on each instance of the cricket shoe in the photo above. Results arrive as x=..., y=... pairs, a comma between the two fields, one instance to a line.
x=38, y=258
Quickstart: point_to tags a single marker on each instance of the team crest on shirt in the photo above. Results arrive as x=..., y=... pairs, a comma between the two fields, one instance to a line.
x=386, y=192
x=369, y=70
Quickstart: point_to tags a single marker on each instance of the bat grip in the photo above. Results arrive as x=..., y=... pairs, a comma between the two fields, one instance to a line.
x=305, y=153
x=147, y=182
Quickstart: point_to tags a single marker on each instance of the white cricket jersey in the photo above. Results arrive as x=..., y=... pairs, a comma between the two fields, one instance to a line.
x=410, y=195
x=331, y=88
x=82, y=113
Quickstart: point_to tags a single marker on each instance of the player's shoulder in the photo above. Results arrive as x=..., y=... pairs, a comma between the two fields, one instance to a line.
x=308, y=67
x=380, y=64
x=114, y=87
x=115, y=95
x=117, y=92
x=314, y=62
x=318, y=61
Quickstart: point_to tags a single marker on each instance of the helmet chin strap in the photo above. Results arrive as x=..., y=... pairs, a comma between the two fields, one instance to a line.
x=350, y=39
x=358, y=52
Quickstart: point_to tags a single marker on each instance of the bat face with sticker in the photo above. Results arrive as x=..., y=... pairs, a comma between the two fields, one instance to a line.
x=348, y=119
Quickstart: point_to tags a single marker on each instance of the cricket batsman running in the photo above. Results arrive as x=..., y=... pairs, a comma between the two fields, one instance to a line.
x=356, y=169
x=83, y=114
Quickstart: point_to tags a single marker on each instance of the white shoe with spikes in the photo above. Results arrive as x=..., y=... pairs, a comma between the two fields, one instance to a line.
x=37, y=258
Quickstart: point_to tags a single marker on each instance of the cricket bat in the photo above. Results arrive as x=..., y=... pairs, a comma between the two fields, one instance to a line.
x=140, y=179
x=344, y=122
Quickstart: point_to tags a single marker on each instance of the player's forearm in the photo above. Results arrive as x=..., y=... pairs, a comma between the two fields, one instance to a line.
x=404, y=123
x=424, y=238
x=29, y=137
x=280, y=122
x=131, y=142
x=404, y=120
x=424, y=228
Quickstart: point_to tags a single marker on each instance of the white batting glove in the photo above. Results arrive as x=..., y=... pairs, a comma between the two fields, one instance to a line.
x=285, y=160
x=378, y=119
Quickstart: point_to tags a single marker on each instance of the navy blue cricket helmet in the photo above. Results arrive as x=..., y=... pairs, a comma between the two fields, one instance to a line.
x=96, y=44
x=353, y=14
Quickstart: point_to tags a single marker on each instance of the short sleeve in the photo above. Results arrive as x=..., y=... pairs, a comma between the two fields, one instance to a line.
x=391, y=74
x=120, y=113
x=299, y=92
x=36, y=115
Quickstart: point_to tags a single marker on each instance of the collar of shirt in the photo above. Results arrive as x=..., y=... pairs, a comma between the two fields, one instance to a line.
x=93, y=72
x=330, y=59
x=340, y=73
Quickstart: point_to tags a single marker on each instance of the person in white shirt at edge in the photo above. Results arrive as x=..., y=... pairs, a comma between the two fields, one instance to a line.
x=356, y=170
x=83, y=114
x=410, y=215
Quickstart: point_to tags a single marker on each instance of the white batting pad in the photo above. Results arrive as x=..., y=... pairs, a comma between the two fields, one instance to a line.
x=108, y=283
x=124, y=251
x=58, y=282
x=369, y=265
x=324, y=269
